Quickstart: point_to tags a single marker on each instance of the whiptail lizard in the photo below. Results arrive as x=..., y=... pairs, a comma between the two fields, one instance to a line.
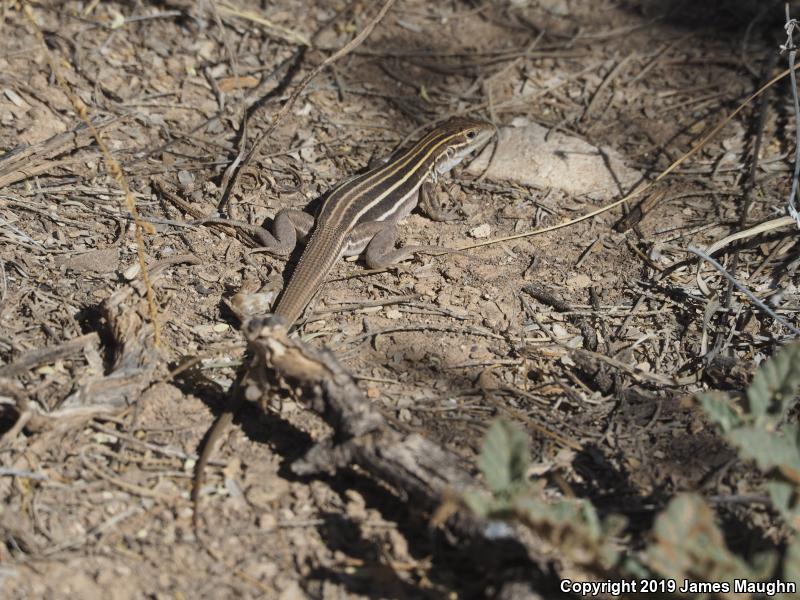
x=358, y=215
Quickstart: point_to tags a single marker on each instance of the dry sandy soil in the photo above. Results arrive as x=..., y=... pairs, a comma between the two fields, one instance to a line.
x=96, y=475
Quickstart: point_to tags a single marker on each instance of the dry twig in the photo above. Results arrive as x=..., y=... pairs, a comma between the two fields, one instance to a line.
x=670, y=169
x=236, y=169
x=763, y=307
x=113, y=166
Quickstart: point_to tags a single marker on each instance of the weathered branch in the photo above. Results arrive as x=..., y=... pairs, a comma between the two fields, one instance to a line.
x=414, y=466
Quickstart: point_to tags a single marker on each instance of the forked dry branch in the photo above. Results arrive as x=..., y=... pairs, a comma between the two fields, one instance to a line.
x=429, y=478
x=24, y=162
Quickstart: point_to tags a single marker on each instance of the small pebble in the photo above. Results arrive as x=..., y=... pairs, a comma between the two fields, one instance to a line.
x=481, y=231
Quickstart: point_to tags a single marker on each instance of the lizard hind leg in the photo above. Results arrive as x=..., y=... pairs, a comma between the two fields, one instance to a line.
x=300, y=223
x=290, y=226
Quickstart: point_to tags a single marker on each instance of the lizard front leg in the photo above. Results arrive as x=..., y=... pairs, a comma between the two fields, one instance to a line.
x=378, y=238
x=431, y=207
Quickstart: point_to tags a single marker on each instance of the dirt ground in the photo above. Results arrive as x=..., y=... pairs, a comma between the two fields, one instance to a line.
x=95, y=492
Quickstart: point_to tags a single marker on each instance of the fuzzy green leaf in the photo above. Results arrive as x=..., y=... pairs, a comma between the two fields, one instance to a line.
x=775, y=384
x=504, y=457
x=791, y=562
x=478, y=501
x=719, y=408
x=689, y=545
x=572, y=526
x=784, y=499
x=768, y=448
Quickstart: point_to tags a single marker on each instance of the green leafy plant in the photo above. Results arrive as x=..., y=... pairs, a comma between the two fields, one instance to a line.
x=687, y=545
x=755, y=428
x=571, y=526
x=686, y=542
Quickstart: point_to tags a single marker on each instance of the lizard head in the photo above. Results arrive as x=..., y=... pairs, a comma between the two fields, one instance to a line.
x=464, y=136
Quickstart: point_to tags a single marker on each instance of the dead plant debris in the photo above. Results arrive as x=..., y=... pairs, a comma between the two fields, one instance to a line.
x=594, y=339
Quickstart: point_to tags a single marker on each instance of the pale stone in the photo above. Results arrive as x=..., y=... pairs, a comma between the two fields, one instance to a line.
x=528, y=155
